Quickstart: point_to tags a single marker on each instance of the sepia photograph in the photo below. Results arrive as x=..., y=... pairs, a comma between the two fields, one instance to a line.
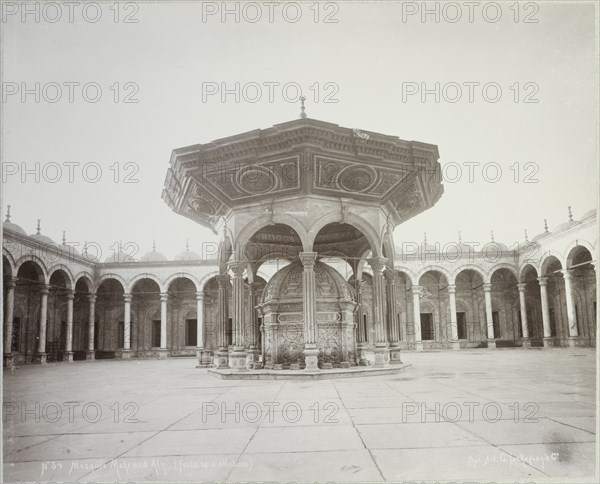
x=300, y=242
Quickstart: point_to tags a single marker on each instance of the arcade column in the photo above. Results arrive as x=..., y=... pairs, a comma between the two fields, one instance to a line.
x=10, y=285
x=41, y=356
x=548, y=341
x=393, y=327
x=524, y=323
x=454, y=343
x=382, y=351
x=222, y=355
x=90, y=354
x=417, y=291
x=164, y=298
x=311, y=352
x=69, y=345
x=237, y=359
x=487, y=293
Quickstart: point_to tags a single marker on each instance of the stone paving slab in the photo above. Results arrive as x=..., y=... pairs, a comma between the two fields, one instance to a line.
x=167, y=421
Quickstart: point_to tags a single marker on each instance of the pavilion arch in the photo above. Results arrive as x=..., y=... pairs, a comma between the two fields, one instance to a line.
x=139, y=277
x=433, y=268
x=38, y=262
x=523, y=271
x=572, y=250
x=61, y=267
x=181, y=275
x=502, y=265
x=467, y=267
x=85, y=276
x=549, y=260
x=65, y=273
x=351, y=219
x=410, y=276
x=11, y=261
x=259, y=223
x=206, y=279
x=116, y=277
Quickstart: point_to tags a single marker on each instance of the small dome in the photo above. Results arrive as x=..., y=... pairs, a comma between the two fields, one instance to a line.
x=118, y=257
x=42, y=238
x=153, y=257
x=14, y=228
x=287, y=283
x=564, y=226
x=188, y=255
x=454, y=249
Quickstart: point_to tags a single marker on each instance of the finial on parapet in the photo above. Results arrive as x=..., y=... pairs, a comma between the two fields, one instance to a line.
x=459, y=237
x=425, y=238
x=153, y=245
x=570, y=214
x=492, y=234
x=85, y=248
x=302, y=109
x=546, y=225
x=187, y=245
x=64, y=238
x=39, y=227
x=7, y=214
x=526, y=236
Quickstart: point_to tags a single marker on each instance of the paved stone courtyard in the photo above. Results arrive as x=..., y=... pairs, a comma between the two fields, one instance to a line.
x=479, y=414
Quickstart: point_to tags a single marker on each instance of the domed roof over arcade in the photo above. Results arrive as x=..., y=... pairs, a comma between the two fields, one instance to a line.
x=153, y=256
x=187, y=254
x=303, y=157
x=11, y=226
x=287, y=283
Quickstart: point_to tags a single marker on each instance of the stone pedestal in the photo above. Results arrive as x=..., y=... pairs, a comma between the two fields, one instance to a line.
x=221, y=359
x=418, y=346
x=395, y=354
x=382, y=355
x=366, y=356
x=163, y=353
x=68, y=356
x=90, y=355
x=41, y=358
x=454, y=345
x=549, y=342
x=237, y=359
x=311, y=357
x=9, y=360
x=525, y=343
x=491, y=344
x=123, y=354
x=252, y=358
x=575, y=342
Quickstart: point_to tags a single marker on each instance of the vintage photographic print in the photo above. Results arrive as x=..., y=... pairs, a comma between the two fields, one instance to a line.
x=299, y=241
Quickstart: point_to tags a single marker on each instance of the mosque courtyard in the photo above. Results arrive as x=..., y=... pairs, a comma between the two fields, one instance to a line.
x=479, y=414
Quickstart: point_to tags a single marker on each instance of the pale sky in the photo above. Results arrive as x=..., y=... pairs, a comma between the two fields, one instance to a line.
x=368, y=56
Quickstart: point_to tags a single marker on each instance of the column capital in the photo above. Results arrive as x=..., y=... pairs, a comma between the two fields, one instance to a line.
x=44, y=289
x=487, y=287
x=10, y=282
x=543, y=280
x=452, y=288
x=390, y=275
x=378, y=264
x=521, y=286
x=567, y=273
x=200, y=296
x=92, y=298
x=223, y=279
x=70, y=294
x=127, y=297
x=308, y=259
x=164, y=296
x=417, y=290
x=237, y=267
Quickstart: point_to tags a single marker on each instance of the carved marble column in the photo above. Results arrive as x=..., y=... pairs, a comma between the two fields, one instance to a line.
x=417, y=291
x=382, y=351
x=10, y=285
x=91, y=353
x=237, y=359
x=453, y=336
x=222, y=355
x=524, y=323
x=164, y=298
x=203, y=362
x=69, y=344
x=309, y=300
x=571, y=316
x=487, y=292
x=252, y=360
x=392, y=319
x=41, y=356
x=126, y=352
x=548, y=341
